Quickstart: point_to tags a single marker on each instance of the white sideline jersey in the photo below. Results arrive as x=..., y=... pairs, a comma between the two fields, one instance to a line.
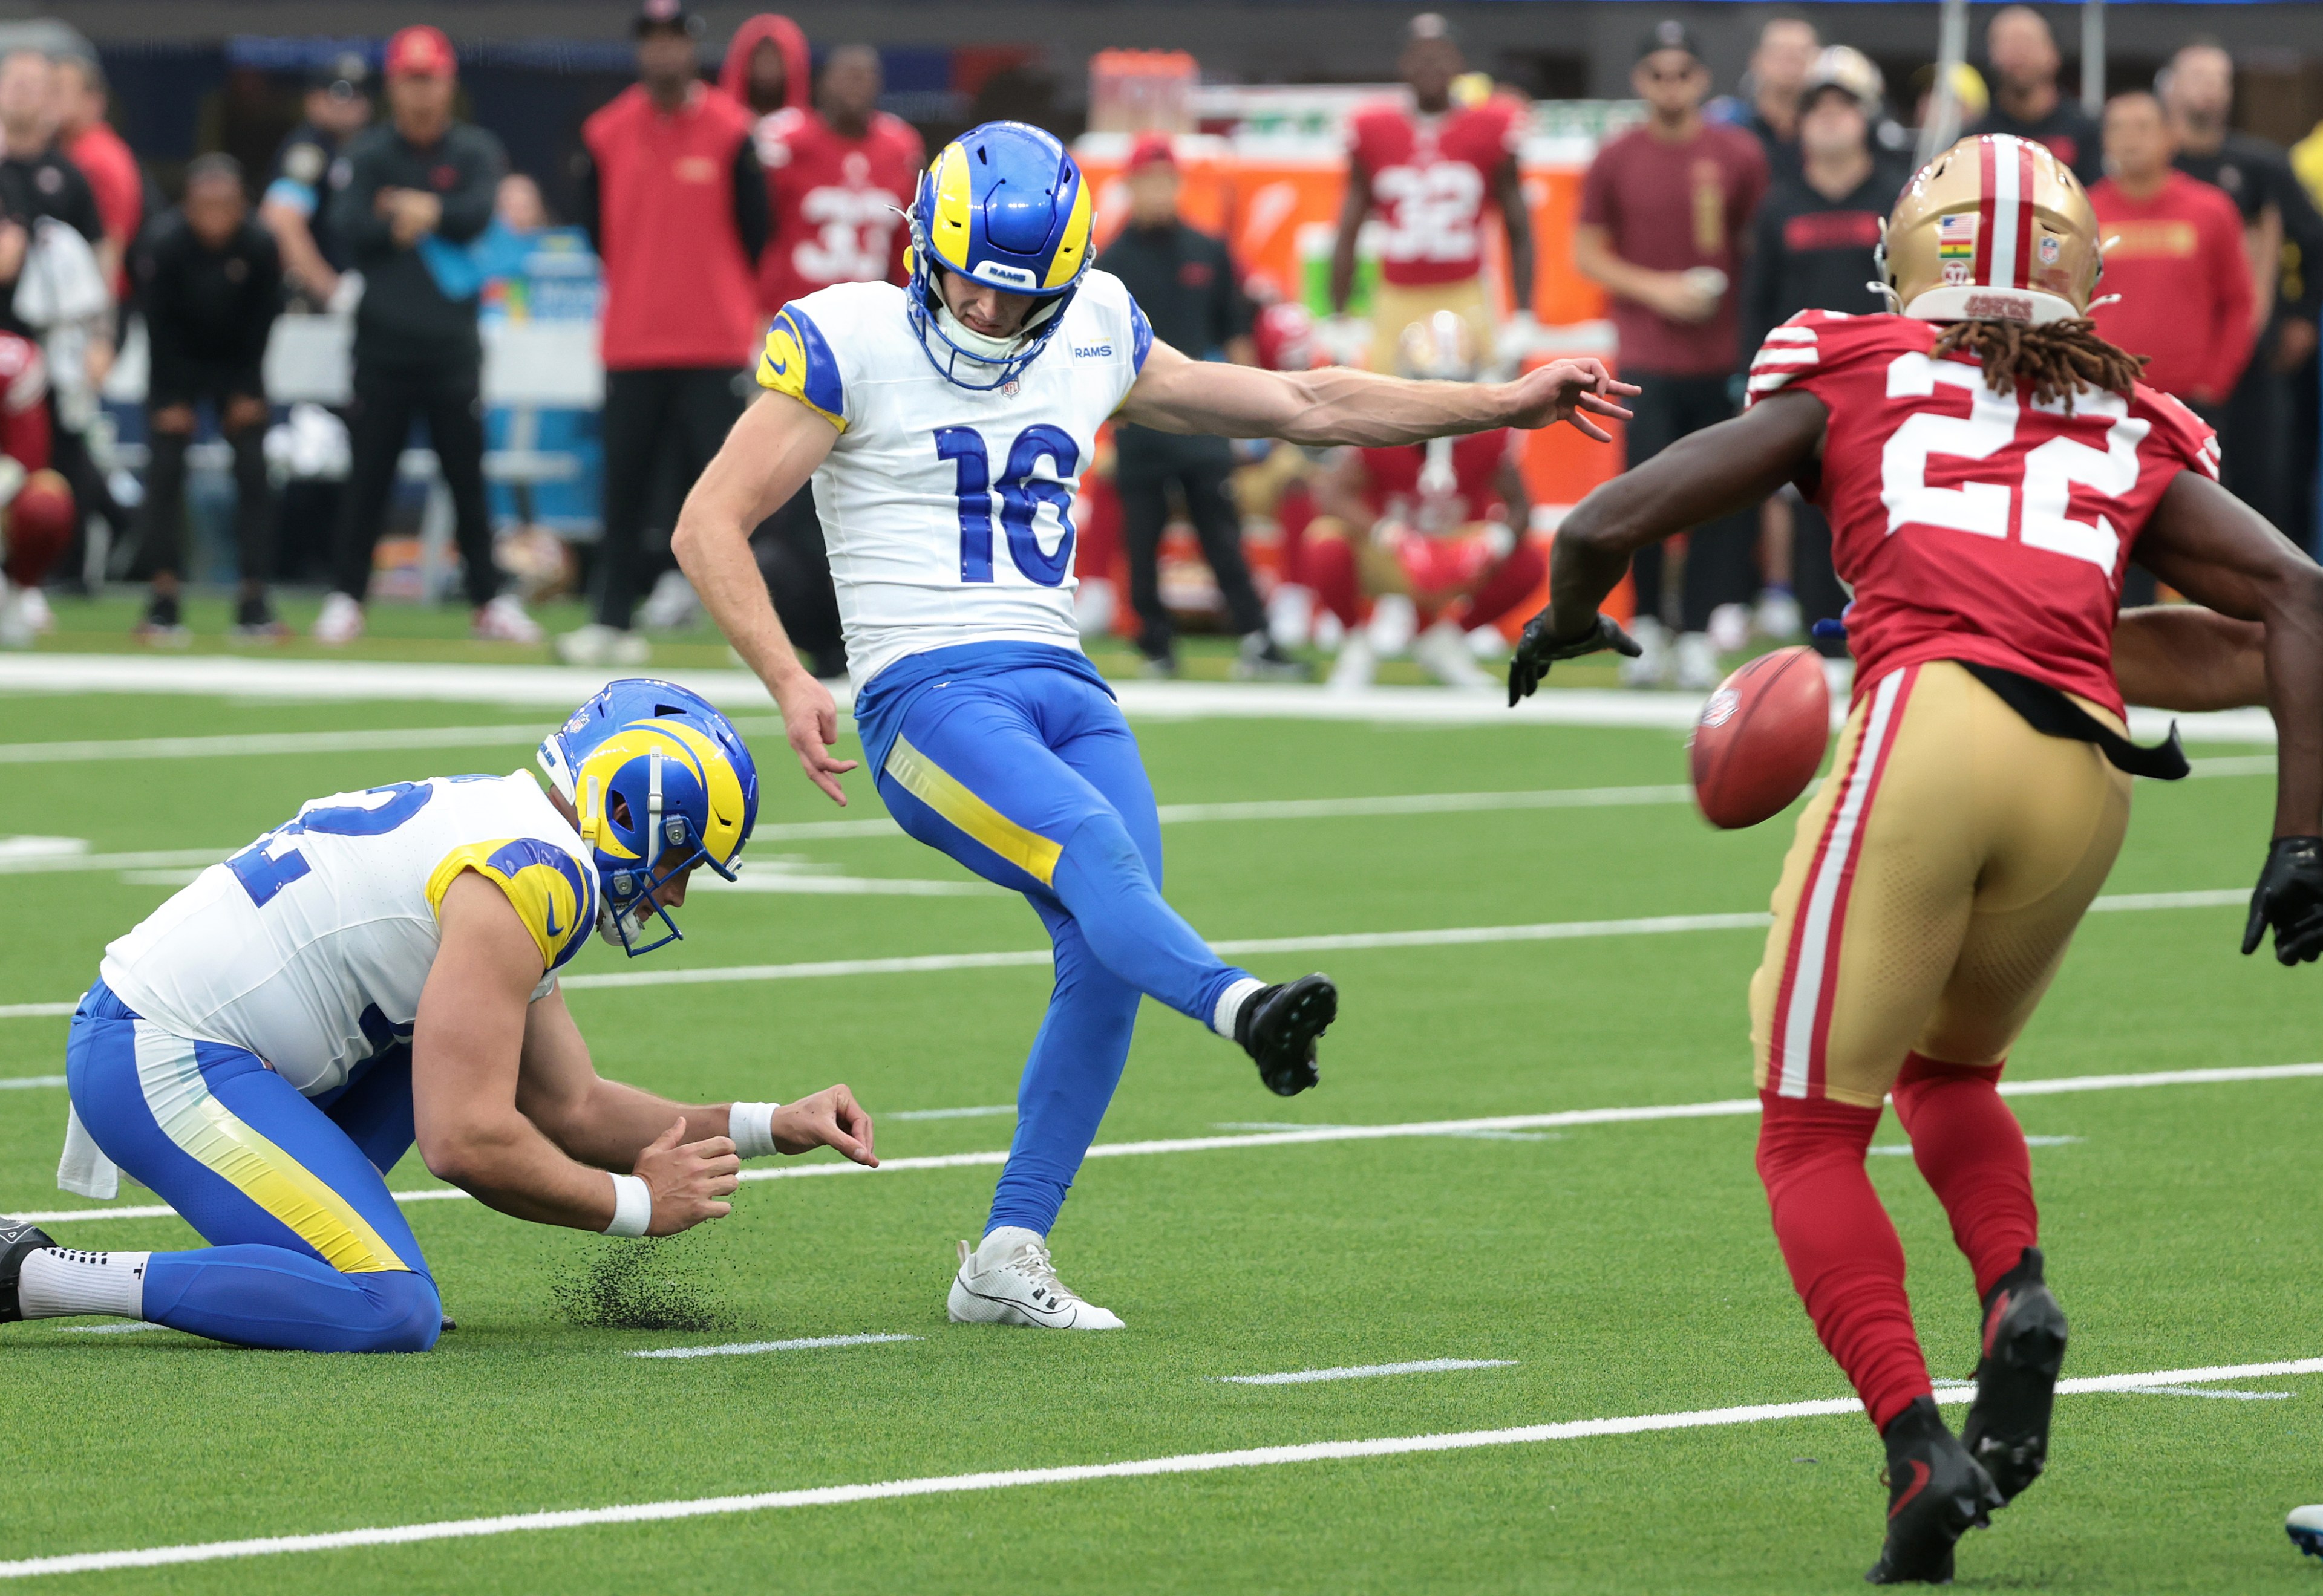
x=309, y=947
x=947, y=511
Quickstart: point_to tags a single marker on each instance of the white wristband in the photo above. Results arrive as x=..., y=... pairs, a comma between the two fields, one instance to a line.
x=751, y=1126
x=632, y=1207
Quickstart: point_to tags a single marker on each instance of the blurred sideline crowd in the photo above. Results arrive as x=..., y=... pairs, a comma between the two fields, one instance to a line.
x=707, y=202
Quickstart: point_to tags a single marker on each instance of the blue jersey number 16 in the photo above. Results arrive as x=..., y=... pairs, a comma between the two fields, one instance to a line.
x=263, y=874
x=1021, y=495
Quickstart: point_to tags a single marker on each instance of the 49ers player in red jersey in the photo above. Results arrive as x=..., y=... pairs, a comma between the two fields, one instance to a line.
x=1990, y=465
x=1431, y=171
x=36, y=507
x=1433, y=532
x=840, y=175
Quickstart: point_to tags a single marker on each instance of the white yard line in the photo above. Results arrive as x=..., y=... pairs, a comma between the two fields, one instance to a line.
x=993, y=1111
x=25, y=1083
x=1724, y=1108
x=560, y=688
x=743, y=1348
x=1369, y=1371
x=521, y=734
x=1197, y=1463
x=2195, y=1391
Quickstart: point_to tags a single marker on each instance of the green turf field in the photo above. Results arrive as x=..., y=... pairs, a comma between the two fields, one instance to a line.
x=439, y=633
x=1619, y=1269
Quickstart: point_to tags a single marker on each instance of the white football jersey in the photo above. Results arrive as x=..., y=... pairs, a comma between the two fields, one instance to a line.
x=948, y=511
x=309, y=947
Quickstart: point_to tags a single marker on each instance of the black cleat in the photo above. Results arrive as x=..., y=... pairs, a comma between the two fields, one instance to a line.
x=18, y=1241
x=1936, y=1493
x=1277, y=1026
x=2008, y=1428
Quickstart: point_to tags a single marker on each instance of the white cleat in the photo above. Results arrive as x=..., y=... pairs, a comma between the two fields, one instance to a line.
x=2306, y=1527
x=671, y=606
x=1442, y=651
x=503, y=621
x=1697, y=662
x=1357, y=664
x=1651, y=666
x=341, y=621
x=1008, y=1279
x=597, y=644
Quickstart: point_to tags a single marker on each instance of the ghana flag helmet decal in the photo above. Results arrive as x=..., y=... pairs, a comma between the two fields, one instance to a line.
x=661, y=781
x=1002, y=204
x=1996, y=228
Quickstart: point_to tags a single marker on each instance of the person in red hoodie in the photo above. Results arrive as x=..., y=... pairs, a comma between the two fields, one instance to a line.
x=89, y=142
x=839, y=173
x=2178, y=266
x=674, y=198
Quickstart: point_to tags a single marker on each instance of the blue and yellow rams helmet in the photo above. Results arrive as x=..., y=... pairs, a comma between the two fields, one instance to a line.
x=660, y=782
x=1004, y=205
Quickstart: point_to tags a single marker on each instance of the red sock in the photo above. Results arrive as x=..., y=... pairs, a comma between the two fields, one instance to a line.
x=1971, y=1150
x=1517, y=579
x=1330, y=570
x=1843, y=1250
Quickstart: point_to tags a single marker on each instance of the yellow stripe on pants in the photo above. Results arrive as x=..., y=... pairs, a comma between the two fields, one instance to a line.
x=940, y=791
x=190, y=1115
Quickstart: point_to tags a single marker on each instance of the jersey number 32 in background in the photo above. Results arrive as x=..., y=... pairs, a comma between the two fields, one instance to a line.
x=1021, y=495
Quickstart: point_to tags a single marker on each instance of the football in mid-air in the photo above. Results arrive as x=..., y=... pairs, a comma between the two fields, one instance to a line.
x=1760, y=738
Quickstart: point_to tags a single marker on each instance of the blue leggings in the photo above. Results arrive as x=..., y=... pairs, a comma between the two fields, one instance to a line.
x=1031, y=779
x=308, y=1250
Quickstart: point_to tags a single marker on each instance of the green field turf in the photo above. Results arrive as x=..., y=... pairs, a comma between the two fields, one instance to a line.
x=439, y=633
x=1625, y=1269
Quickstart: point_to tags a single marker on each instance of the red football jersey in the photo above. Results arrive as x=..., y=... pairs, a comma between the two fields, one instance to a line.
x=1431, y=183
x=1971, y=525
x=24, y=402
x=1396, y=481
x=837, y=203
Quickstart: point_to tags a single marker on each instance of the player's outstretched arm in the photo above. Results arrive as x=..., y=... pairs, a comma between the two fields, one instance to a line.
x=1340, y=405
x=2218, y=551
x=2184, y=657
x=1706, y=474
x=467, y=1053
x=608, y=1123
x=766, y=458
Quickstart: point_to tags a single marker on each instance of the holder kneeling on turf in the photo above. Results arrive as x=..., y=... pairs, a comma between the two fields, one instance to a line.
x=382, y=969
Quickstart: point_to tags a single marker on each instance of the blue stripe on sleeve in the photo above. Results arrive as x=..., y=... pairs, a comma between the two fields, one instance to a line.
x=824, y=390
x=1140, y=336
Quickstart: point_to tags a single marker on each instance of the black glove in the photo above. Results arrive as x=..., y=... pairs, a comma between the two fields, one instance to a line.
x=2290, y=898
x=1536, y=651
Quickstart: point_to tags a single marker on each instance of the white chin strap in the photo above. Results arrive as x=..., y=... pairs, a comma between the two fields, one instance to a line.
x=981, y=345
x=1972, y=302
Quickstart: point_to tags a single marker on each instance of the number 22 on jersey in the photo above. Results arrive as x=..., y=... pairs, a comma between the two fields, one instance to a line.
x=2045, y=473
x=1021, y=493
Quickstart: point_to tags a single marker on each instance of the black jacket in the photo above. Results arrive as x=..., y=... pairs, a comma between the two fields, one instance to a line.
x=1813, y=253
x=2257, y=174
x=405, y=319
x=46, y=185
x=207, y=311
x=1184, y=281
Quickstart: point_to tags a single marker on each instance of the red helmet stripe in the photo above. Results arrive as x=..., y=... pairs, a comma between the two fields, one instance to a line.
x=2022, y=277
x=1981, y=268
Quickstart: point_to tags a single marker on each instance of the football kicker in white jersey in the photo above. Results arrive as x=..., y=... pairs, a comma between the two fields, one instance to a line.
x=945, y=426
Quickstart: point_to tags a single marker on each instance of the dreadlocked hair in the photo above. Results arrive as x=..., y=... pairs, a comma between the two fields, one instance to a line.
x=2060, y=359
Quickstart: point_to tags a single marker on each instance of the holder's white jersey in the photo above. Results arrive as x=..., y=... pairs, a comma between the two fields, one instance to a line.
x=309, y=947
x=947, y=511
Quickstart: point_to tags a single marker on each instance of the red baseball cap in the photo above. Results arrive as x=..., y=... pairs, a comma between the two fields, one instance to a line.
x=420, y=51
x=1151, y=148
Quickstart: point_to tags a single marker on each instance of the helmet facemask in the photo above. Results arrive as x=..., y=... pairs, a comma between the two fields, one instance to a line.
x=1003, y=207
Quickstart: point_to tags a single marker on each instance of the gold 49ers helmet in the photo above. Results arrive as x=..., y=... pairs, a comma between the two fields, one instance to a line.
x=1996, y=228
